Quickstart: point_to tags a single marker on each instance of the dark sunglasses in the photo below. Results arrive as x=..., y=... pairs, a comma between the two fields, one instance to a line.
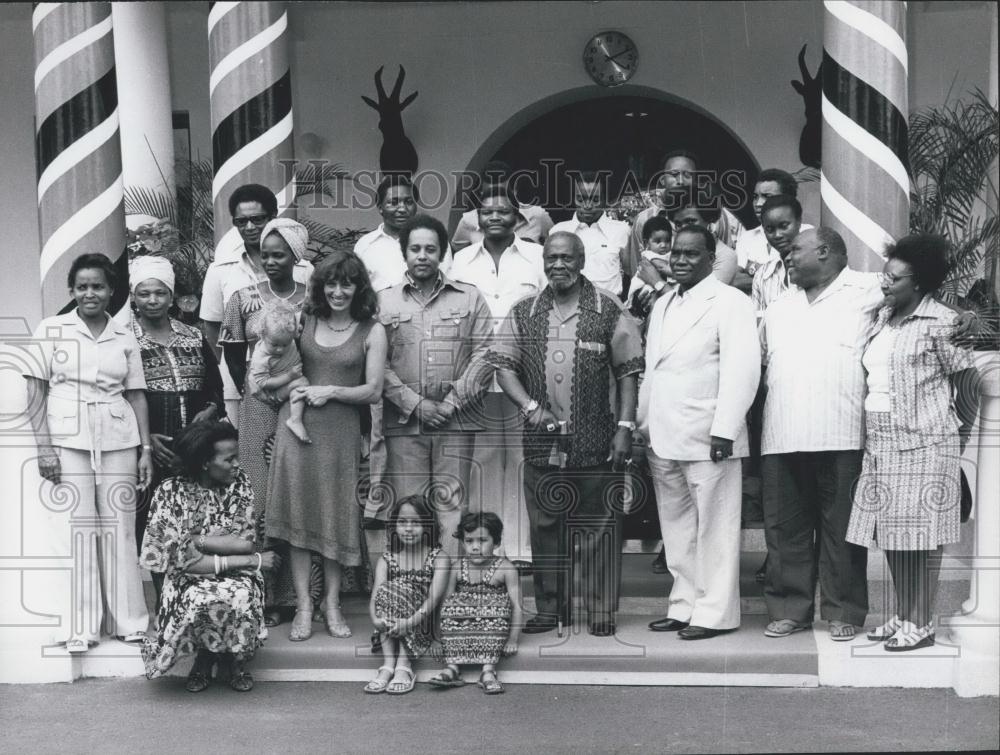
x=255, y=219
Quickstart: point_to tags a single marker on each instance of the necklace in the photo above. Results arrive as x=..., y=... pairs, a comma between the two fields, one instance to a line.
x=349, y=325
x=276, y=295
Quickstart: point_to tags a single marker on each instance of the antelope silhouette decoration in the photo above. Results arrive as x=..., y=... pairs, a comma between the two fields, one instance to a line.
x=811, y=91
x=398, y=154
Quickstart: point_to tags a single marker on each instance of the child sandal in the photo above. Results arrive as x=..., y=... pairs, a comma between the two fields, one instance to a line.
x=377, y=686
x=493, y=687
x=447, y=678
x=401, y=687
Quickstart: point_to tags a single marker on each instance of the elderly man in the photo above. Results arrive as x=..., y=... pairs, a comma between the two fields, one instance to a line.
x=435, y=326
x=504, y=268
x=569, y=358
x=702, y=369
x=680, y=169
x=533, y=222
x=252, y=207
x=604, y=238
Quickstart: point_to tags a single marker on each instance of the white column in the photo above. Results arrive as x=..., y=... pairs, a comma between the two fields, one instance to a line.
x=977, y=633
x=143, y=74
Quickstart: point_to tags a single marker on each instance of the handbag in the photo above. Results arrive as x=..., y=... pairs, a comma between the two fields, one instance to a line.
x=965, y=506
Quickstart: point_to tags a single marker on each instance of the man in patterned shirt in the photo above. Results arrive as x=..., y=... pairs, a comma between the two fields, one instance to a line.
x=569, y=357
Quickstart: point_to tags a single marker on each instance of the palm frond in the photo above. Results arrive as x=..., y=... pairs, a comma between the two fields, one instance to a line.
x=140, y=200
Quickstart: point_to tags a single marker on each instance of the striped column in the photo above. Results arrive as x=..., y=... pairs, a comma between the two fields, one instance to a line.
x=77, y=151
x=865, y=185
x=251, y=98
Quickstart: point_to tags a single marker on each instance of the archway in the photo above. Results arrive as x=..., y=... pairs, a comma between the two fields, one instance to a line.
x=625, y=129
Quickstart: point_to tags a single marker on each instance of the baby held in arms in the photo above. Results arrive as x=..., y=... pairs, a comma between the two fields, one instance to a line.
x=276, y=364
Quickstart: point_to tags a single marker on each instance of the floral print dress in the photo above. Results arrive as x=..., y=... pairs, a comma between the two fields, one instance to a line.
x=222, y=614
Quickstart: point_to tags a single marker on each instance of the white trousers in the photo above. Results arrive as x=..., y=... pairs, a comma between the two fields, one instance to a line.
x=497, y=478
x=102, y=526
x=699, y=507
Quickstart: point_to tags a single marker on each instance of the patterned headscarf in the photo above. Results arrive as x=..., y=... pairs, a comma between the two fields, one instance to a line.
x=294, y=234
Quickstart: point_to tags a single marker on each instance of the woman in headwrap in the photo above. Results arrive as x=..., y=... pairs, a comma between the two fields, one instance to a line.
x=283, y=242
x=183, y=384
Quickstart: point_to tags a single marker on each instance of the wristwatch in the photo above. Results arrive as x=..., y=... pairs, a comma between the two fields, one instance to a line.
x=528, y=409
x=660, y=285
x=630, y=426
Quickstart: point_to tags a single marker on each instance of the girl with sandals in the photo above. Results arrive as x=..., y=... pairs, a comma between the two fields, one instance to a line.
x=202, y=536
x=410, y=580
x=481, y=615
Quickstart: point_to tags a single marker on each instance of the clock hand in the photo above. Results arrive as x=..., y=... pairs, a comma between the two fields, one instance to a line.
x=612, y=58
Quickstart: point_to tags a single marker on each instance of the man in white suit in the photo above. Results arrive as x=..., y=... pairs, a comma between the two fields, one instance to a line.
x=702, y=370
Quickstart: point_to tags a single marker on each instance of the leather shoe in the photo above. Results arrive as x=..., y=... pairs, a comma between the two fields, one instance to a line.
x=667, y=625
x=700, y=633
x=659, y=565
x=539, y=624
x=602, y=628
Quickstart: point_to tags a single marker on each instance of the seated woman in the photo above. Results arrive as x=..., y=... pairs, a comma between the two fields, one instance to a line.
x=201, y=535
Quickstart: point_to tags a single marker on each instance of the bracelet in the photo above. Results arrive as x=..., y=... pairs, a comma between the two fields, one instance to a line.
x=260, y=561
x=225, y=564
x=200, y=540
x=216, y=557
x=146, y=447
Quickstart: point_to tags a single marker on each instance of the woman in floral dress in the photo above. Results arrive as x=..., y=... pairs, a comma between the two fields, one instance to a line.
x=202, y=536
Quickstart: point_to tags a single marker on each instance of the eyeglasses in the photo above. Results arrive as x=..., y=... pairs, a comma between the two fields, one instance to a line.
x=888, y=278
x=259, y=220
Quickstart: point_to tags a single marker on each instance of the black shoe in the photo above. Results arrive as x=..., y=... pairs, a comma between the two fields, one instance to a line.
x=700, y=633
x=659, y=565
x=539, y=624
x=602, y=628
x=667, y=625
x=761, y=574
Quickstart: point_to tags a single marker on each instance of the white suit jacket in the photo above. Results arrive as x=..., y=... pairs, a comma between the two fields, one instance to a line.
x=701, y=373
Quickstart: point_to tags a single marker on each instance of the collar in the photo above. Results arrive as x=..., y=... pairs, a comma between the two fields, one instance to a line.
x=480, y=248
x=601, y=222
x=589, y=299
x=112, y=329
x=442, y=281
x=927, y=309
x=703, y=289
x=178, y=328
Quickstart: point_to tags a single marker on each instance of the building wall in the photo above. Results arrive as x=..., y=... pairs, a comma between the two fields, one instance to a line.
x=477, y=64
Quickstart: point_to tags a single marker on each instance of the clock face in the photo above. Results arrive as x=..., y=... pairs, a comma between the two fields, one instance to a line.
x=611, y=58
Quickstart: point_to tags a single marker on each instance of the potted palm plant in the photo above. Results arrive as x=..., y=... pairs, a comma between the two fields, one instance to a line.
x=953, y=152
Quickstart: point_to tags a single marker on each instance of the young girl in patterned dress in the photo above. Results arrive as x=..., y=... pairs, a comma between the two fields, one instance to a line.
x=410, y=580
x=481, y=615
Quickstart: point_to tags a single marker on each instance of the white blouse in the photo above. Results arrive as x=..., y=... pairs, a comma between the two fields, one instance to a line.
x=876, y=362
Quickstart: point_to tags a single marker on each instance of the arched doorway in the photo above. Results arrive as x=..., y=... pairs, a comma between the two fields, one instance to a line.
x=626, y=130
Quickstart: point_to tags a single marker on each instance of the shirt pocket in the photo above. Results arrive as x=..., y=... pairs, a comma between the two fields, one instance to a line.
x=64, y=417
x=399, y=328
x=122, y=428
x=450, y=325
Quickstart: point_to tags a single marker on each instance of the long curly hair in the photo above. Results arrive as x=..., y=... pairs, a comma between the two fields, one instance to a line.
x=344, y=267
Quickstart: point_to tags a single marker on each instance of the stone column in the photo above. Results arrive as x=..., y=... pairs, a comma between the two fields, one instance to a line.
x=143, y=74
x=864, y=184
x=251, y=97
x=77, y=147
x=977, y=633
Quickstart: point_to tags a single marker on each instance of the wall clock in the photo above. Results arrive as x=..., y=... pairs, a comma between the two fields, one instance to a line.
x=610, y=58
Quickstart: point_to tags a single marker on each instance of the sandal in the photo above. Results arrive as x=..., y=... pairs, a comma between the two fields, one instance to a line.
x=135, y=638
x=841, y=631
x=79, y=646
x=785, y=627
x=401, y=687
x=197, y=681
x=377, y=685
x=910, y=637
x=490, y=687
x=447, y=678
x=301, y=630
x=884, y=632
x=338, y=629
x=273, y=618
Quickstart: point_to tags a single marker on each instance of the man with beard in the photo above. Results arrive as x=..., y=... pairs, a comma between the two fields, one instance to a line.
x=560, y=357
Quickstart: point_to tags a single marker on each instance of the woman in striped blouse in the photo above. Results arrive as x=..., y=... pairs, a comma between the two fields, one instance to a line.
x=923, y=394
